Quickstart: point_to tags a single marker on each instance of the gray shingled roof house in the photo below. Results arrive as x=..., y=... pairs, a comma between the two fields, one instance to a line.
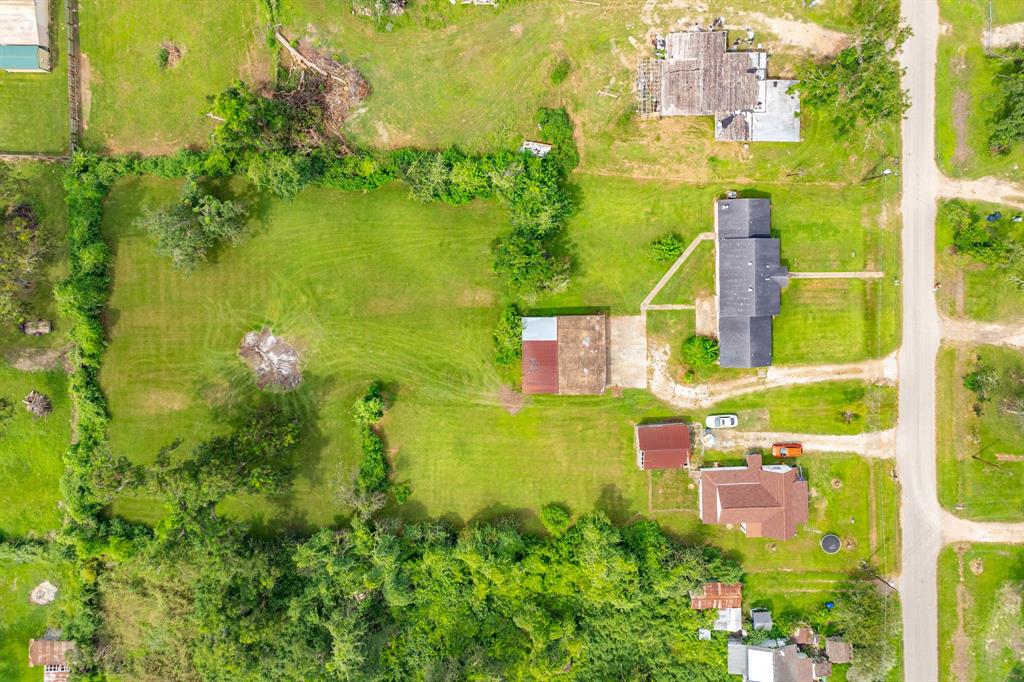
x=750, y=280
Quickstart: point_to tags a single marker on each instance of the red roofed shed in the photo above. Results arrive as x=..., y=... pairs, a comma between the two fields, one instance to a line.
x=540, y=367
x=662, y=446
x=717, y=596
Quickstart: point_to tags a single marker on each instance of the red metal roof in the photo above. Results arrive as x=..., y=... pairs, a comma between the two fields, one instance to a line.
x=664, y=446
x=540, y=366
x=718, y=596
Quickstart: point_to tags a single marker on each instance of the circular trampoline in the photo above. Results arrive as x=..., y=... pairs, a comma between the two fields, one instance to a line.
x=831, y=543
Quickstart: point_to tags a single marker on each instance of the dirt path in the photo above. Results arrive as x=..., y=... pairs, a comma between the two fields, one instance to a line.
x=37, y=359
x=880, y=445
x=994, y=333
x=837, y=275
x=961, y=642
x=689, y=397
x=1007, y=35
x=799, y=35
x=988, y=189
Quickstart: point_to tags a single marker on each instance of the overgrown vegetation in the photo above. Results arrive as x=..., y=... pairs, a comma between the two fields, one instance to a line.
x=189, y=231
x=22, y=248
x=508, y=336
x=993, y=240
x=1008, y=118
x=667, y=248
x=560, y=71
x=383, y=600
x=860, y=87
x=372, y=476
x=868, y=618
x=700, y=352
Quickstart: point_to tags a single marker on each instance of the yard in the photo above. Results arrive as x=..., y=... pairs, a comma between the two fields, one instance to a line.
x=437, y=80
x=965, y=86
x=20, y=620
x=980, y=630
x=815, y=408
x=981, y=458
x=367, y=287
x=852, y=496
x=971, y=288
x=34, y=106
x=131, y=102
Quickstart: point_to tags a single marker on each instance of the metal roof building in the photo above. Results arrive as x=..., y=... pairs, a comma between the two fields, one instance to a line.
x=750, y=280
x=25, y=35
x=567, y=354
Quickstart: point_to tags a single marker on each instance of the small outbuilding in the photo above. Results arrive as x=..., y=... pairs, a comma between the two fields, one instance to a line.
x=663, y=446
x=761, y=618
x=838, y=650
x=716, y=595
x=565, y=354
x=51, y=653
x=540, y=149
x=25, y=36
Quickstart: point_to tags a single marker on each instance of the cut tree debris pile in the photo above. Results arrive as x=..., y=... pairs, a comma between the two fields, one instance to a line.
x=275, y=362
x=43, y=593
x=38, y=404
x=333, y=87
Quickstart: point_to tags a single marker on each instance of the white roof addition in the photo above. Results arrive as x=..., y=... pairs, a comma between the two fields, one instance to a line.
x=540, y=329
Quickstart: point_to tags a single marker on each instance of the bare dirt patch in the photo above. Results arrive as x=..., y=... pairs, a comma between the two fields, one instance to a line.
x=274, y=361
x=1007, y=35
x=511, y=399
x=475, y=298
x=516, y=30
x=158, y=401
x=961, y=642
x=1003, y=457
x=706, y=316
x=85, y=77
x=961, y=109
x=37, y=359
x=175, y=53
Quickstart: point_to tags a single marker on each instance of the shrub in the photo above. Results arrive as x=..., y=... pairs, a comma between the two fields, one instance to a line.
x=667, y=247
x=700, y=352
x=556, y=128
x=369, y=409
x=163, y=57
x=556, y=519
x=373, y=467
x=508, y=336
x=981, y=382
x=560, y=71
x=6, y=412
x=189, y=231
x=402, y=491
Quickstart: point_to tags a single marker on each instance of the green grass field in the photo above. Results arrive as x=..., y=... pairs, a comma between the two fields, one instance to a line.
x=437, y=80
x=469, y=94
x=30, y=453
x=20, y=620
x=990, y=491
x=970, y=288
x=966, y=85
x=321, y=271
x=815, y=408
x=34, y=106
x=982, y=584
x=131, y=103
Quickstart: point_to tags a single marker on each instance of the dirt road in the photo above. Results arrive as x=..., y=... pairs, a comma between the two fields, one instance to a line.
x=994, y=333
x=880, y=444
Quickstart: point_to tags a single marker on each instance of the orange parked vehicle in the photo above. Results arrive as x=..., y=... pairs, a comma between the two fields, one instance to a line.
x=787, y=450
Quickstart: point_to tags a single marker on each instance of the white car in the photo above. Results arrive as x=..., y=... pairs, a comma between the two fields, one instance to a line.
x=721, y=421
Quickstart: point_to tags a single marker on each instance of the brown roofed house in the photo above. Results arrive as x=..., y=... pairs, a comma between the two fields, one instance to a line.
x=767, y=501
x=52, y=655
x=663, y=446
x=717, y=596
x=567, y=354
x=838, y=650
